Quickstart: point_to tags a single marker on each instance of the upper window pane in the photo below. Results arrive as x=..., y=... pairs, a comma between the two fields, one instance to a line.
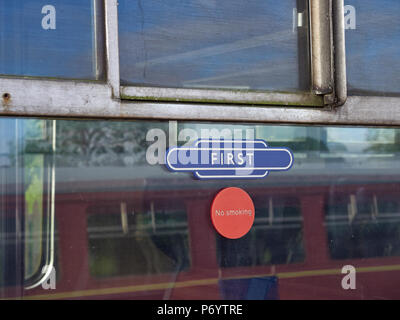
x=228, y=44
x=372, y=42
x=57, y=38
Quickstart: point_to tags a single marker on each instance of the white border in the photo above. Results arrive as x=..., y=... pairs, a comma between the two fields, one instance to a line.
x=234, y=149
x=198, y=175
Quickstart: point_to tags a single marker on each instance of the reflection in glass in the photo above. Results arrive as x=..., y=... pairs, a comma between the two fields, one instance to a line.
x=123, y=241
x=9, y=262
x=26, y=162
x=57, y=39
x=372, y=44
x=214, y=44
x=127, y=224
x=275, y=238
x=34, y=167
x=363, y=225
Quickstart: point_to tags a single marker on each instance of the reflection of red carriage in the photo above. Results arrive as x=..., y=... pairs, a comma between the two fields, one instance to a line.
x=152, y=238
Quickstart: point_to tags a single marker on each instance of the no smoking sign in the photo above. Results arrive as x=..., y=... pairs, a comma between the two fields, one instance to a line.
x=232, y=213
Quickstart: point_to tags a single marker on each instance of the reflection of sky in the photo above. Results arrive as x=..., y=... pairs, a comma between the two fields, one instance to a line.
x=228, y=43
x=373, y=48
x=27, y=49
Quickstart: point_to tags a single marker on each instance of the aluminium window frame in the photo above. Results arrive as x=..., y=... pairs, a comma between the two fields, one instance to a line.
x=104, y=100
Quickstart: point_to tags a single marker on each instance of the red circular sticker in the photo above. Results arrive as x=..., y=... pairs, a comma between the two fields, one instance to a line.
x=232, y=213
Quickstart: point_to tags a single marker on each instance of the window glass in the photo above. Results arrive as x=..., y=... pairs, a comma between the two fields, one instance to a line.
x=56, y=39
x=372, y=44
x=129, y=228
x=230, y=44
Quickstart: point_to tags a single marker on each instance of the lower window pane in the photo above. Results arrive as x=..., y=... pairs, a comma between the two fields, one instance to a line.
x=126, y=227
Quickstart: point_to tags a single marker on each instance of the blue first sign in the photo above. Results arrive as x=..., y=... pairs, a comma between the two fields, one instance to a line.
x=228, y=159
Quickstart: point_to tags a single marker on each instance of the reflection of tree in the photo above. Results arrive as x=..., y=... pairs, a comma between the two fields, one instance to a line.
x=97, y=143
x=303, y=144
x=383, y=141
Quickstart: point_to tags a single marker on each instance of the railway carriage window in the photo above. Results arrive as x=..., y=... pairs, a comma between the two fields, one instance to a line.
x=129, y=227
x=275, y=238
x=206, y=44
x=124, y=220
x=372, y=43
x=123, y=241
x=56, y=39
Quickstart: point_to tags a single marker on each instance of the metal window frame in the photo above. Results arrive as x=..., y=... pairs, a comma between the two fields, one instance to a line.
x=83, y=99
